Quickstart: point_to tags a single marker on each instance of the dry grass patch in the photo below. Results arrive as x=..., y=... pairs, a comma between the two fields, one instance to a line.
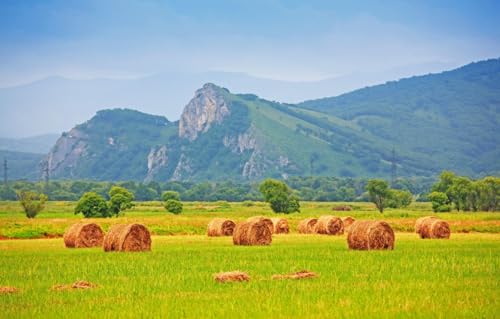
x=303, y=274
x=231, y=276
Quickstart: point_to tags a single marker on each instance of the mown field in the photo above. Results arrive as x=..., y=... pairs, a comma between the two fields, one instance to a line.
x=455, y=278
x=53, y=221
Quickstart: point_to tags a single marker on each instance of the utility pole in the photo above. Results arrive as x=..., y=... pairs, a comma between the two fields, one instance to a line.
x=393, y=167
x=5, y=169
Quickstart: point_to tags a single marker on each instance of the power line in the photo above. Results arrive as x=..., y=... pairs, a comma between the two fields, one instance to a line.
x=5, y=170
x=393, y=167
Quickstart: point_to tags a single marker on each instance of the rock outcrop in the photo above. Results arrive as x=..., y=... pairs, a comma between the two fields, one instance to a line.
x=66, y=153
x=207, y=107
x=157, y=159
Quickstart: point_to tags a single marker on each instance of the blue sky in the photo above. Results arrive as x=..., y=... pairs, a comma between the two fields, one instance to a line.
x=287, y=40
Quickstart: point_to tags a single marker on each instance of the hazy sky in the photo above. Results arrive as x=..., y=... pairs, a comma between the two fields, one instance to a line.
x=290, y=40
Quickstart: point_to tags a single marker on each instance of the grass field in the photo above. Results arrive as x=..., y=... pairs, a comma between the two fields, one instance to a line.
x=455, y=278
x=53, y=221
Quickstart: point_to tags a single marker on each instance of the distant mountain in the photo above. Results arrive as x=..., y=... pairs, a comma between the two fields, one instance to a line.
x=420, y=125
x=55, y=104
x=39, y=144
x=21, y=165
x=451, y=118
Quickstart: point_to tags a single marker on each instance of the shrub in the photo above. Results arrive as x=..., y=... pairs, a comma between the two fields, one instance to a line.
x=440, y=202
x=170, y=195
x=173, y=206
x=32, y=202
x=92, y=205
x=398, y=198
x=279, y=196
x=120, y=199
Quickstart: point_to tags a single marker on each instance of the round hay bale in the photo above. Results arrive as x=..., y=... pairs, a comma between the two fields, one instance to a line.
x=132, y=237
x=231, y=276
x=220, y=227
x=342, y=208
x=348, y=221
x=419, y=222
x=266, y=220
x=307, y=226
x=280, y=226
x=329, y=225
x=252, y=233
x=368, y=235
x=434, y=228
x=83, y=236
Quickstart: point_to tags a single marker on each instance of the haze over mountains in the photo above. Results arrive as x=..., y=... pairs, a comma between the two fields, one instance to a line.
x=434, y=122
x=55, y=104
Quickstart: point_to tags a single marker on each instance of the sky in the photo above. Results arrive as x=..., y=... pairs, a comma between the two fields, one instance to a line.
x=249, y=44
x=276, y=39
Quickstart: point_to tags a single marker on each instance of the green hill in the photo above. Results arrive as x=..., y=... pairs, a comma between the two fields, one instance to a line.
x=451, y=118
x=434, y=122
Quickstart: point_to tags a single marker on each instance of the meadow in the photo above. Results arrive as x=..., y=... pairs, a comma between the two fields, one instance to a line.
x=453, y=278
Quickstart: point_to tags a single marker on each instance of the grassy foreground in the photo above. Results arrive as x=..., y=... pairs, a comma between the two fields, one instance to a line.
x=54, y=220
x=454, y=278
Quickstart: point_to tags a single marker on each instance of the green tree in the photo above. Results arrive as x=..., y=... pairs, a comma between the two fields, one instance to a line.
x=170, y=195
x=378, y=191
x=459, y=191
x=399, y=198
x=279, y=196
x=92, y=205
x=32, y=202
x=440, y=202
x=7, y=193
x=173, y=206
x=489, y=193
x=120, y=199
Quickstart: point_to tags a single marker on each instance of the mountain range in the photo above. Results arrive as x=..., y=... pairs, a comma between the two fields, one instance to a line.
x=416, y=126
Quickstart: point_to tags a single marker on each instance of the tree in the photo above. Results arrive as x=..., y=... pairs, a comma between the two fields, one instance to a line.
x=170, y=195
x=279, y=196
x=120, y=199
x=398, y=198
x=378, y=190
x=92, y=204
x=7, y=193
x=489, y=193
x=440, y=202
x=173, y=206
x=32, y=202
x=458, y=192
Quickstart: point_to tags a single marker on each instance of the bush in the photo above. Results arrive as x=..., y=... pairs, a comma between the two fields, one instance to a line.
x=173, y=206
x=170, y=195
x=32, y=202
x=120, y=199
x=248, y=203
x=440, y=202
x=398, y=198
x=279, y=196
x=92, y=205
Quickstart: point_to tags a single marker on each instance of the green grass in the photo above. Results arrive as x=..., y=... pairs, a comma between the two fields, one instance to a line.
x=57, y=216
x=456, y=278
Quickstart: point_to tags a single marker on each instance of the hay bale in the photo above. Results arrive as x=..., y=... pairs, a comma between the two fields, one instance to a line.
x=348, y=221
x=307, y=226
x=252, y=233
x=132, y=237
x=367, y=235
x=220, y=227
x=342, y=208
x=80, y=284
x=8, y=290
x=231, y=276
x=296, y=275
x=329, y=225
x=266, y=220
x=434, y=228
x=280, y=226
x=418, y=223
x=83, y=236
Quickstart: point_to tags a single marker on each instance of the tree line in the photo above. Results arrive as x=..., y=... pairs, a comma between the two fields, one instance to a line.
x=305, y=188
